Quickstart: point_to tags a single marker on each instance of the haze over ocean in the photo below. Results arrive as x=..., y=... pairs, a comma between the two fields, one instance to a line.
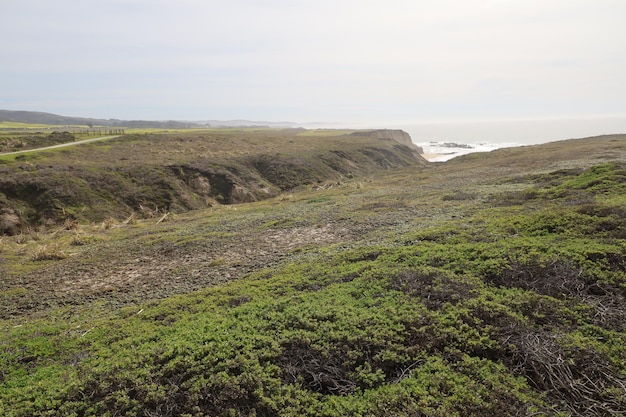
x=520, y=131
x=384, y=63
x=486, y=136
x=442, y=136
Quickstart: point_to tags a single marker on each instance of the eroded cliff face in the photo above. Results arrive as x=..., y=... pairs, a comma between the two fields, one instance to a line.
x=399, y=136
x=10, y=223
x=91, y=190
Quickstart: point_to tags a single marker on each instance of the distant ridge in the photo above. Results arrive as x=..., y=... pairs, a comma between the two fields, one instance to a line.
x=22, y=116
x=39, y=118
x=34, y=117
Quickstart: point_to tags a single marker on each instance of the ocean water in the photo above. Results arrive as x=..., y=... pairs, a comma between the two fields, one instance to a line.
x=450, y=139
x=435, y=151
x=445, y=140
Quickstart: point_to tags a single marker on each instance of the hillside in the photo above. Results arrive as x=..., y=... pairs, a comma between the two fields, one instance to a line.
x=146, y=174
x=41, y=118
x=344, y=277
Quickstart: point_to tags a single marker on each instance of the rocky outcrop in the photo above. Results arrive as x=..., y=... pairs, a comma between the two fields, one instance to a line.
x=397, y=135
x=223, y=186
x=10, y=223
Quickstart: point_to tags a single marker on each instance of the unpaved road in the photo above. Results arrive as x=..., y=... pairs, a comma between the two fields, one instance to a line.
x=61, y=145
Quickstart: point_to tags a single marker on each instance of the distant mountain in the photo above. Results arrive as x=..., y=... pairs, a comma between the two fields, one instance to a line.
x=40, y=118
x=55, y=119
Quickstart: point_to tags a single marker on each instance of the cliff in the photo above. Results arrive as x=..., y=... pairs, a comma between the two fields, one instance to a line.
x=398, y=135
x=93, y=182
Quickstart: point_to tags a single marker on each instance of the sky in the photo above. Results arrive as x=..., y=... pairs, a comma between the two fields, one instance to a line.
x=305, y=61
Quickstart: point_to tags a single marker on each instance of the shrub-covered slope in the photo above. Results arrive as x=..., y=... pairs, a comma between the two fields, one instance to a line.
x=480, y=290
x=164, y=172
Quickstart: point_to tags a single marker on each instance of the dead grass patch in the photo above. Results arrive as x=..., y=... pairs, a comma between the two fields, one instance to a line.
x=48, y=252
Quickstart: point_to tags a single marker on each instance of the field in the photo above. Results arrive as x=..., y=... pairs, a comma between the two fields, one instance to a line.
x=345, y=277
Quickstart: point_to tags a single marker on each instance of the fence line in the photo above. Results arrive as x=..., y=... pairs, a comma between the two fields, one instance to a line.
x=88, y=132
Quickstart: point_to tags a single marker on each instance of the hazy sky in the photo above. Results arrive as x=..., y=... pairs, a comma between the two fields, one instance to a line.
x=391, y=61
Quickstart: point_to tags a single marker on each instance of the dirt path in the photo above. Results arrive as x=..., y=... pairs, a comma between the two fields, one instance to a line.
x=60, y=145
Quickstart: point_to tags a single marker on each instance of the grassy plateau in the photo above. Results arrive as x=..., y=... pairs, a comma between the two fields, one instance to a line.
x=263, y=272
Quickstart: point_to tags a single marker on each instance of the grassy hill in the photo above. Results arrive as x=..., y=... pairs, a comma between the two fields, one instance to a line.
x=150, y=173
x=363, y=282
x=15, y=117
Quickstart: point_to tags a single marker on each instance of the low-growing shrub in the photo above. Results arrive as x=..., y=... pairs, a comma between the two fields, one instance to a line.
x=434, y=288
x=555, y=277
x=459, y=196
x=578, y=378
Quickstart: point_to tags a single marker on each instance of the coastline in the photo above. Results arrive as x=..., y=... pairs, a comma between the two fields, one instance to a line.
x=435, y=157
x=441, y=151
x=443, y=140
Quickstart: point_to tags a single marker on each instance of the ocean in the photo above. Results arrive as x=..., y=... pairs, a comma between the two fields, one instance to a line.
x=445, y=140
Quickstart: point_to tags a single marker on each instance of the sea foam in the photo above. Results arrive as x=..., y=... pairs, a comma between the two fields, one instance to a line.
x=440, y=151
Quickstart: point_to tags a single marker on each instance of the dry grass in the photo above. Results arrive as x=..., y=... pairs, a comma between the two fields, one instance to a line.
x=48, y=252
x=393, y=218
x=78, y=239
x=108, y=223
x=179, y=253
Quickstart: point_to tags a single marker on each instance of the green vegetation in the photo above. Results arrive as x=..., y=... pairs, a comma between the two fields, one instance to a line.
x=13, y=141
x=457, y=289
x=22, y=125
x=175, y=172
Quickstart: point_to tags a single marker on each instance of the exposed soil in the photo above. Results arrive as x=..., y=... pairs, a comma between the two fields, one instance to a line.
x=134, y=263
x=122, y=272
